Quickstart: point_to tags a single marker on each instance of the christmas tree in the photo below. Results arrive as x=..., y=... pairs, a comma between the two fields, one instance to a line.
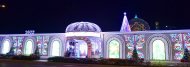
x=185, y=56
x=11, y=52
x=37, y=51
x=135, y=54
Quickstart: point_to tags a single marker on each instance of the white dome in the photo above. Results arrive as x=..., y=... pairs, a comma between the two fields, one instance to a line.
x=83, y=27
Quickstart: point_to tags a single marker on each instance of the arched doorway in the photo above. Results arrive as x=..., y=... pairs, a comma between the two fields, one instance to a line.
x=79, y=43
x=114, y=49
x=56, y=47
x=29, y=47
x=158, y=50
x=6, y=46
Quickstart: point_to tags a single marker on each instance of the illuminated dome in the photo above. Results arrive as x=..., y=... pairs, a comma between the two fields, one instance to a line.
x=138, y=24
x=83, y=27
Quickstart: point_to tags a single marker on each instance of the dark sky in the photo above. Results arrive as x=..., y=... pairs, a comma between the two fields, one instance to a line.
x=52, y=16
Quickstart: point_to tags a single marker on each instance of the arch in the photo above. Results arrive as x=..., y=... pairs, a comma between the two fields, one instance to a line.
x=118, y=39
x=158, y=50
x=88, y=42
x=55, y=47
x=29, y=46
x=113, y=49
x=6, y=46
x=167, y=46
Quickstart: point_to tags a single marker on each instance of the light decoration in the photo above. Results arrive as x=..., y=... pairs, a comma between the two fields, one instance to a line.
x=39, y=44
x=18, y=44
x=158, y=50
x=114, y=49
x=42, y=42
x=6, y=46
x=56, y=48
x=137, y=40
x=187, y=40
x=125, y=24
x=45, y=45
x=29, y=31
x=95, y=34
x=177, y=39
x=28, y=50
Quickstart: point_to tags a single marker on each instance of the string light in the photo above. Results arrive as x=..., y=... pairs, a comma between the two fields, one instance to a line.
x=29, y=31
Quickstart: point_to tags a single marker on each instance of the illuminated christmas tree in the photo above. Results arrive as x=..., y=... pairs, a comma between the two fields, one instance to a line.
x=135, y=54
x=11, y=52
x=125, y=24
x=185, y=56
x=37, y=51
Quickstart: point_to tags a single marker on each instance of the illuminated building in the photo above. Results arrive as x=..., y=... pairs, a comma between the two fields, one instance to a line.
x=86, y=40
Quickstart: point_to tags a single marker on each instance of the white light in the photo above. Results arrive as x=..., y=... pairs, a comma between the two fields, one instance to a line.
x=28, y=47
x=55, y=48
x=6, y=46
x=3, y=6
x=83, y=34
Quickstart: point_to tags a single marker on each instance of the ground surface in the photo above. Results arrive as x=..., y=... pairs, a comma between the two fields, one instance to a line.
x=44, y=63
x=22, y=63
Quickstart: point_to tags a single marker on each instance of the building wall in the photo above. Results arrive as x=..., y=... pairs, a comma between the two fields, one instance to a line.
x=43, y=41
x=174, y=43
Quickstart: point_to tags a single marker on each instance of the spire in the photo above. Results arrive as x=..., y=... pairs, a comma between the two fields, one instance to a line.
x=136, y=16
x=125, y=24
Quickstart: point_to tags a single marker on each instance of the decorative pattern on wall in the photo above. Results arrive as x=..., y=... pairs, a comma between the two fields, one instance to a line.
x=180, y=41
x=17, y=45
x=42, y=42
x=137, y=40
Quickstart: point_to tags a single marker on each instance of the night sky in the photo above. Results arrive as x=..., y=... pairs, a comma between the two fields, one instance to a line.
x=53, y=16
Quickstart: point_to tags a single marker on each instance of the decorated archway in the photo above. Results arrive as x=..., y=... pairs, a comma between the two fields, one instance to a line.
x=158, y=48
x=29, y=47
x=88, y=44
x=113, y=49
x=55, y=47
x=6, y=46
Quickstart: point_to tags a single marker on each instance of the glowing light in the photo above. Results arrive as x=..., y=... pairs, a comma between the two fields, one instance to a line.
x=3, y=6
x=114, y=49
x=56, y=48
x=6, y=46
x=158, y=50
x=28, y=47
x=125, y=24
x=82, y=34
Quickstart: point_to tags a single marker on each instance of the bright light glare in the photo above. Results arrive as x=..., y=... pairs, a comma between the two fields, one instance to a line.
x=6, y=47
x=158, y=50
x=56, y=48
x=83, y=34
x=28, y=47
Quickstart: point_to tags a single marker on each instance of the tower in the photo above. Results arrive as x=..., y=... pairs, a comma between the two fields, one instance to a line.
x=125, y=24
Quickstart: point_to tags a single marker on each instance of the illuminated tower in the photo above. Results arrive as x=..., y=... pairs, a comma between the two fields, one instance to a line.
x=125, y=24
